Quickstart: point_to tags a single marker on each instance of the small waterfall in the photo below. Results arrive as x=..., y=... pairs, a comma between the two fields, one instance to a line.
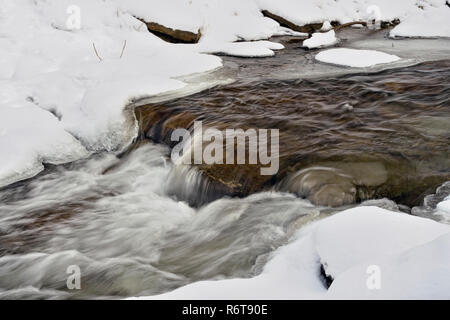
x=119, y=222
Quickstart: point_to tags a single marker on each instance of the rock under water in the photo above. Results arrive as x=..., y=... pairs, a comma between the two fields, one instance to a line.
x=392, y=142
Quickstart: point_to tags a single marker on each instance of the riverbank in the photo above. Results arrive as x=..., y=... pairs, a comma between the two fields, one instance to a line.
x=69, y=75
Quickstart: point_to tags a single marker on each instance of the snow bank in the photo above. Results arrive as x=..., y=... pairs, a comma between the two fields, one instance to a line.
x=343, y=11
x=419, y=273
x=319, y=40
x=355, y=58
x=411, y=254
x=430, y=22
x=443, y=210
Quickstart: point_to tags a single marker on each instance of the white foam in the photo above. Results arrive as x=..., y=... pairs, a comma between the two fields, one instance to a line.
x=320, y=40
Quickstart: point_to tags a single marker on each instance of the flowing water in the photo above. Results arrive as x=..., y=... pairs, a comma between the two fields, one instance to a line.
x=127, y=222
x=126, y=235
x=342, y=139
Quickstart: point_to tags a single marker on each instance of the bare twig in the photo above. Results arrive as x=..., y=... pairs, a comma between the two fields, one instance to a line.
x=95, y=49
x=123, y=48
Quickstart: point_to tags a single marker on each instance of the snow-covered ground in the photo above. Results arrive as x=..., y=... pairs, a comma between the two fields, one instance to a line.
x=371, y=253
x=355, y=58
x=443, y=209
x=64, y=89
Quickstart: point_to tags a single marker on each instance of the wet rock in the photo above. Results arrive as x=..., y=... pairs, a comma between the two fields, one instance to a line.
x=172, y=35
x=322, y=185
x=430, y=202
x=389, y=24
x=327, y=154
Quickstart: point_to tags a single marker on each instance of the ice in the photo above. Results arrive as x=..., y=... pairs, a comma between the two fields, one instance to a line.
x=316, y=11
x=431, y=22
x=243, y=49
x=30, y=136
x=355, y=58
x=53, y=70
x=319, y=40
x=405, y=248
x=326, y=26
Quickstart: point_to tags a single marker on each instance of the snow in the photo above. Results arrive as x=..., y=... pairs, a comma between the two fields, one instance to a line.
x=38, y=132
x=431, y=22
x=355, y=58
x=227, y=21
x=50, y=71
x=319, y=40
x=243, y=49
x=410, y=252
x=326, y=26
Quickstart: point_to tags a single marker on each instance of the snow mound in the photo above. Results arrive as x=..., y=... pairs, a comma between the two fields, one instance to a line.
x=355, y=58
x=432, y=22
x=243, y=49
x=326, y=26
x=319, y=40
x=410, y=252
x=85, y=77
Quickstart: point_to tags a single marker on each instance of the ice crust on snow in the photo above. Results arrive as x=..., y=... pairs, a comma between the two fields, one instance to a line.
x=411, y=252
x=355, y=58
x=58, y=102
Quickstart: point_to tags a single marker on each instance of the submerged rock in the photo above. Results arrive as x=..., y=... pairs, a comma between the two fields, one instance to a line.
x=327, y=154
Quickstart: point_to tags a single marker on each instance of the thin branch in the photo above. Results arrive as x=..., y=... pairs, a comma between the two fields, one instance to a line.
x=95, y=49
x=123, y=48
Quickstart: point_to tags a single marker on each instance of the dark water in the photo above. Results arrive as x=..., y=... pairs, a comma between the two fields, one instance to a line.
x=355, y=137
